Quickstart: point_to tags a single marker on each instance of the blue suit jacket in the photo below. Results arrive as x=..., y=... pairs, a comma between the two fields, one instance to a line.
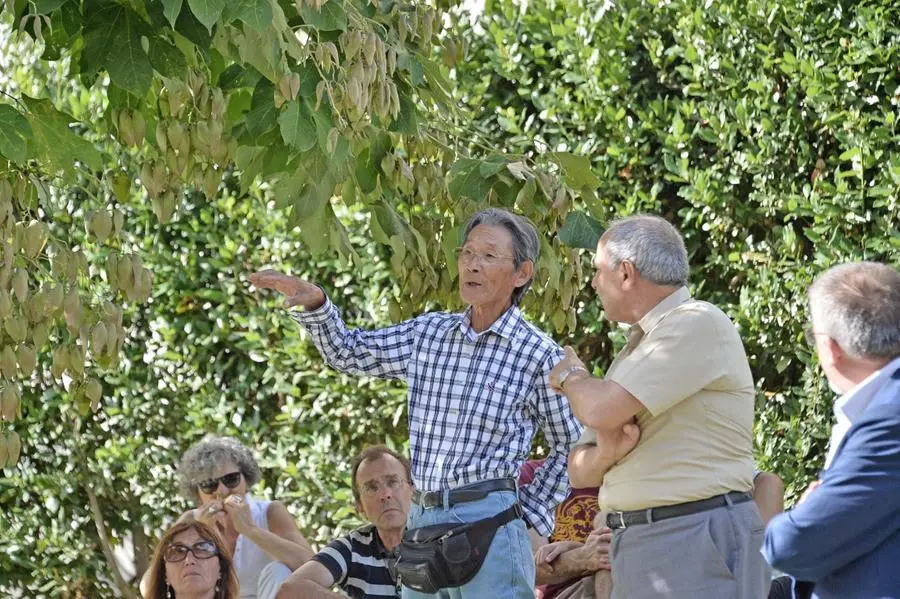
x=845, y=538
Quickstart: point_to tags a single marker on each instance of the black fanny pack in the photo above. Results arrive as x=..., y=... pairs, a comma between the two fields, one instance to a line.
x=448, y=555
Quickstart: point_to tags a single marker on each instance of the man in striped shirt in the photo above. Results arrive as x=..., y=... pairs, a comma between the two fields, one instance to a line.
x=361, y=563
x=478, y=392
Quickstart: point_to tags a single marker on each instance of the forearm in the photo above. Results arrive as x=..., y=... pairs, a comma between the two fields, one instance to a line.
x=575, y=563
x=382, y=353
x=291, y=554
x=585, y=394
x=587, y=467
x=305, y=589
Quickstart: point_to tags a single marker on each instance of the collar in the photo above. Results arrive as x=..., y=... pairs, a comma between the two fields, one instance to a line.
x=853, y=403
x=660, y=310
x=505, y=326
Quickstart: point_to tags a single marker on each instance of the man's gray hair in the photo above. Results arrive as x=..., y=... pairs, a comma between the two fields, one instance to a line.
x=525, y=242
x=858, y=305
x=652, y=245
x=200, y=461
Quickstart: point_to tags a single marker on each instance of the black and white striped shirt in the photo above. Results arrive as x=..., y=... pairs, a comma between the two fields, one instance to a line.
x=359, y=564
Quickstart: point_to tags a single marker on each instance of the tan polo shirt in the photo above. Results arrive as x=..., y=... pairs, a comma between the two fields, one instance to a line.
x=690, y=372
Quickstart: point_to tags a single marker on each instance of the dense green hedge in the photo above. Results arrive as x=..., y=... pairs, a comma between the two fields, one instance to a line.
x=766, y=130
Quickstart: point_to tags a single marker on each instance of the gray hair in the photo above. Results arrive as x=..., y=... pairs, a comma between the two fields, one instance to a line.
x=200, y=461
x=652, y=245
x=526, y=245
x=858, y=305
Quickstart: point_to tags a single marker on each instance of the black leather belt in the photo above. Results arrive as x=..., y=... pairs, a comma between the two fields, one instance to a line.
x=472, y=492
x=616, y=520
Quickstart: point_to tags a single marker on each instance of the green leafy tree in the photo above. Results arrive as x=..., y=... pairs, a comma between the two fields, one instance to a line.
x=767, y=131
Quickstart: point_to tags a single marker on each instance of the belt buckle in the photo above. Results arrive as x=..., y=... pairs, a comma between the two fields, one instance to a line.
x=621, y=516
x=431, y=499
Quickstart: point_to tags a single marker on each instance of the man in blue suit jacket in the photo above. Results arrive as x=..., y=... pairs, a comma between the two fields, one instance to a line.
x=843, y=538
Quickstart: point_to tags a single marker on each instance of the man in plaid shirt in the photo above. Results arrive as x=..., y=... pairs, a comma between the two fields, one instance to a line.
x=478, y=391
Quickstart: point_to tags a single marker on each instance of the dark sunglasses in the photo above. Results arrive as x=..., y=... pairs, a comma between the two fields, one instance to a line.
x=230, y=480
x=177, y=552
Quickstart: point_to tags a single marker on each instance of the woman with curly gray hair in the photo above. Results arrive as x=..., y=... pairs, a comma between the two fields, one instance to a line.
x=216, y=474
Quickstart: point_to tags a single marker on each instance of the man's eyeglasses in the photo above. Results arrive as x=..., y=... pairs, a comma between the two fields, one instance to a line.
x=230, y=480
x=468, y=256
x=177, y=552
x=371, y=488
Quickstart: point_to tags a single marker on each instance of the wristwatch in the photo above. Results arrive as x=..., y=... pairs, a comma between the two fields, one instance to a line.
x=567, y=372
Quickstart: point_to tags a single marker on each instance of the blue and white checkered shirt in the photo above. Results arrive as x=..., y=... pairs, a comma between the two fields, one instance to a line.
x=475, y=400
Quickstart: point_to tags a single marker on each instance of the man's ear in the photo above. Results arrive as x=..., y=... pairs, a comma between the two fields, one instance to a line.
x=834, y=355
x=627, y=272
x=525, y=273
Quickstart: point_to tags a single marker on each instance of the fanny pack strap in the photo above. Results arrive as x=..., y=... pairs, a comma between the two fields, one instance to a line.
x=496, y=521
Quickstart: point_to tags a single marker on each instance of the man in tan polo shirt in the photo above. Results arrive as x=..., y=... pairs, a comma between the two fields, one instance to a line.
x=669, y=429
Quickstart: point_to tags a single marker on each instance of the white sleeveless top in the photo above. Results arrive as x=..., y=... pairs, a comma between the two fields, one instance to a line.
x=249, y=559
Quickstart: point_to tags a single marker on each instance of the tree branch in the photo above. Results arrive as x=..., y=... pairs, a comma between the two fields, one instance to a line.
x=123, y=586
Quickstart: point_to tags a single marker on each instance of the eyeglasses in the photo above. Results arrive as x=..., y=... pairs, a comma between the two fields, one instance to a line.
x=371, y=488
x=177, y=552
x=230, y=480
x=468, y=256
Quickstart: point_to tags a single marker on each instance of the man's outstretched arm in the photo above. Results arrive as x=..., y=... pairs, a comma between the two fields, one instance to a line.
x=311, y=581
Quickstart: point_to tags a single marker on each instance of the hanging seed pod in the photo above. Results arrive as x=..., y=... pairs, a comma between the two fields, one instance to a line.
x=20, y=284
x=8, y=364
x=118, y=219
x=16, y=327
x=112, y=271
x=93, y=390
x=76, y=361
x=9, y=403
x=5, y=304
x=139, y=128
x=34, y=238
x=99, y=337
x=124, y=272
x=101, y=225
x=162, y=140
x=59, y=362
x=13, y=448
x=72, y=310
x=40, y=333
x=126, y=130
x=4, y=452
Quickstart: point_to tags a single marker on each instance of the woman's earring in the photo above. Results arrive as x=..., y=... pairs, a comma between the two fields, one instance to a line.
x=170, y=592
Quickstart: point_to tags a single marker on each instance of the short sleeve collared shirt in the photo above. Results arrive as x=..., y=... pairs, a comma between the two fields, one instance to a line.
x=690, y=372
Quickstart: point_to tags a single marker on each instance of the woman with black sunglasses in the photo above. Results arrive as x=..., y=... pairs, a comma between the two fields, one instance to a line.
x=191, y=562
x=216, y=474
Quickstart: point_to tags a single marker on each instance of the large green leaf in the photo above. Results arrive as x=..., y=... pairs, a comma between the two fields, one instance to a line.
x=54, y=143
x=466, y=180
x=171, y=9
x=112, y=41
x=166, y=59
x=255, y=13
x=576, y=170
x=45, y=7
x=581, y=230
x=263, y=114
x=330, y=17
x=298, y=129
x=207, y=11
x=14, y=134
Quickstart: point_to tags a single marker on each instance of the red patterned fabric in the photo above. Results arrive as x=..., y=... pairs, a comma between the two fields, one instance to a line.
x=574, y=520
